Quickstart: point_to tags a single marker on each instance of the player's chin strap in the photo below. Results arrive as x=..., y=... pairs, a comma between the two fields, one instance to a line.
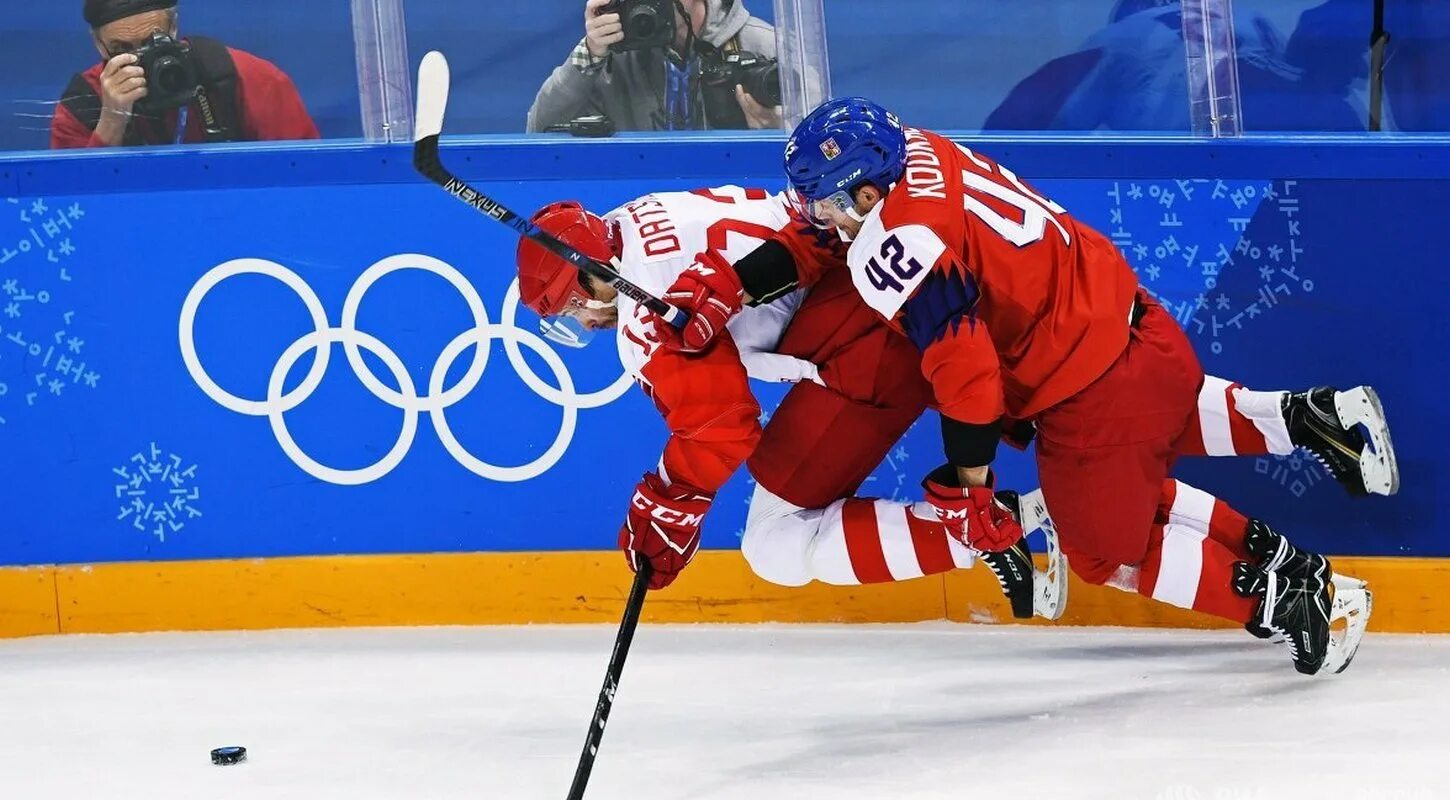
x=855, y=215
x=858, y=217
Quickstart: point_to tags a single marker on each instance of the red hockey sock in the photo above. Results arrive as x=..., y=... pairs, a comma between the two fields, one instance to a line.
x=885, y=542
x=1186, y=568
x=1234, y=421
x=1187, y=505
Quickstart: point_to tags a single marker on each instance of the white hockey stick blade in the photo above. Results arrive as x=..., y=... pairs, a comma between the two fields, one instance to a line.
x=1049, y=586
x=1361, y=406
x=1348, y=619
x=432, y=96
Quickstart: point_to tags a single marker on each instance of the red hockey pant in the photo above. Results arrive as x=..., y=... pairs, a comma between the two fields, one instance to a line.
x=821, y=444
x=1104, y=456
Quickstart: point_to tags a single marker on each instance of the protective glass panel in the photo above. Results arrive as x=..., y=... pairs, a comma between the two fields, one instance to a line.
x=270, y=70
x=540, y=70
x=805, y=75
x=384, y=70
x=1025, y=65
x=1213, y=81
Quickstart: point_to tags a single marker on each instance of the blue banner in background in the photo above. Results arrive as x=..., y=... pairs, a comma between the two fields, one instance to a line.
x=290, y=371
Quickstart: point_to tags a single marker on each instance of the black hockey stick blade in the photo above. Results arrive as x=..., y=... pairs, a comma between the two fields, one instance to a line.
x=611, y=682
x=433, y=80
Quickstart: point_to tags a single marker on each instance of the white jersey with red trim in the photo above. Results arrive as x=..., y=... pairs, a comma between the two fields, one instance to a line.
x=705, y=399
x=659, y=237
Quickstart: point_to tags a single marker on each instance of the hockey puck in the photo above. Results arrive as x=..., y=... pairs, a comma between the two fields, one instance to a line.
x=223, y=756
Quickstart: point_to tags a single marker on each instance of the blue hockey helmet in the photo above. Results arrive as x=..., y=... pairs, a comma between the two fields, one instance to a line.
x=843, y=143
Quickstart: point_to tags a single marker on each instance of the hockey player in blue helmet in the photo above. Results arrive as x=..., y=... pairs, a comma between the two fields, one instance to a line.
x=841, y=145
x=1022, y=314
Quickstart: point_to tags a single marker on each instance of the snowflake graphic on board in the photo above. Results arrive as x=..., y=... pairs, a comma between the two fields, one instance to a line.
x=1296, y=473
x=156, y=495
x=1220, y=255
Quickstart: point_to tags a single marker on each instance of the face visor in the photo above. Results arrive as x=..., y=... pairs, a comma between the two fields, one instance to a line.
x=813, y=211
x=568, y=326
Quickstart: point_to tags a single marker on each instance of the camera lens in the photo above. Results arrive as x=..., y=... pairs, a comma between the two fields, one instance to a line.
x=170, y=75
x=642, y=23
x=765, y=85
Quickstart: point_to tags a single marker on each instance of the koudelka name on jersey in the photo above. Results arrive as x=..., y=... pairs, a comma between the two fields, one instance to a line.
x=924, y=178
x=888, y=265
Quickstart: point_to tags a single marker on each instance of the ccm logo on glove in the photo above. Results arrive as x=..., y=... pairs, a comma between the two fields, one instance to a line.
x=663, y=527
x=668, y=516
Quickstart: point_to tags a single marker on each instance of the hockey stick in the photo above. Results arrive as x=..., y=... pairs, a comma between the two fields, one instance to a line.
x=611, y=682
x=432, y=103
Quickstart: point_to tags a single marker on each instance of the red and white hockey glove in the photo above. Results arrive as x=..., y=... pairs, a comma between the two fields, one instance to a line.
x=711, y=293
x=663, y=527
x=972, y=515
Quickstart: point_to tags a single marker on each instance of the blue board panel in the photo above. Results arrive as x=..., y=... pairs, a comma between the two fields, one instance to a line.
x=1288, y=265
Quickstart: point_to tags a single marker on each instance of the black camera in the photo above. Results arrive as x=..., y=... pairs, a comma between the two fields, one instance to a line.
x=760, y=76
x=171, y=75
x=648, y=24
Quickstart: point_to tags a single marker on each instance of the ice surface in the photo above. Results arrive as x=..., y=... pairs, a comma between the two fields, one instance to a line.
x=753, y=712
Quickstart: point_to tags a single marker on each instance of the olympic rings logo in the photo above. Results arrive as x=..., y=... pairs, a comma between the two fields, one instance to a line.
x=435, y=401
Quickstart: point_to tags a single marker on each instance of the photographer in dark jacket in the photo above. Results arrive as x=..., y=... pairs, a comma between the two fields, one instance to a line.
x=153, y=88
x=681, y=69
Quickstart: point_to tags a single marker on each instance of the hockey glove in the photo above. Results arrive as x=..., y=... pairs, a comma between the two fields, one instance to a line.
x=710, y=292
x=663, y=527
x=972, y=515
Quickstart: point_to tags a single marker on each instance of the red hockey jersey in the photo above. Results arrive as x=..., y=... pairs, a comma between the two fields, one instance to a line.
x=1014, y=304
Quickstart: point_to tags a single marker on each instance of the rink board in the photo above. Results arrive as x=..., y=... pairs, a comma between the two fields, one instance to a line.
x=584, y=587
x=138, y=436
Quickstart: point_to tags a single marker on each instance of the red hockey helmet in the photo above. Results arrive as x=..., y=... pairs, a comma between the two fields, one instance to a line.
x=547, y=283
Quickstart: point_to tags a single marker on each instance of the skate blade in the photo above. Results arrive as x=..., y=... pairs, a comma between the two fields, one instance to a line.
x=1347, y=583
x=1348, y=620
x=1361, y=406
x=1049, y=586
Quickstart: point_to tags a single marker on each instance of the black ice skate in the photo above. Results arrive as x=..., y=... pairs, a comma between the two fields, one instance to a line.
x=1031, y=591
x=1273, y=553
x=1013, y=568
x=1292, y=608
x=1348, y=434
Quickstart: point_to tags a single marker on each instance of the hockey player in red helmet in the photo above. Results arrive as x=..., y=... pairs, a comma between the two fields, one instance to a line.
x=562, y=296
x=856, y=392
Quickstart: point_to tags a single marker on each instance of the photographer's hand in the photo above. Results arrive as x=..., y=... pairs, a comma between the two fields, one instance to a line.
x=601, y=28
x=757, y=116
x=122, y=84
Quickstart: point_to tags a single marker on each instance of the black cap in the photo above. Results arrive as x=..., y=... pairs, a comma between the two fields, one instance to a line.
x=104, y=12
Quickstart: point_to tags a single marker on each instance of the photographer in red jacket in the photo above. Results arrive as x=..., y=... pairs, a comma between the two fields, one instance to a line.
x=152, y=87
